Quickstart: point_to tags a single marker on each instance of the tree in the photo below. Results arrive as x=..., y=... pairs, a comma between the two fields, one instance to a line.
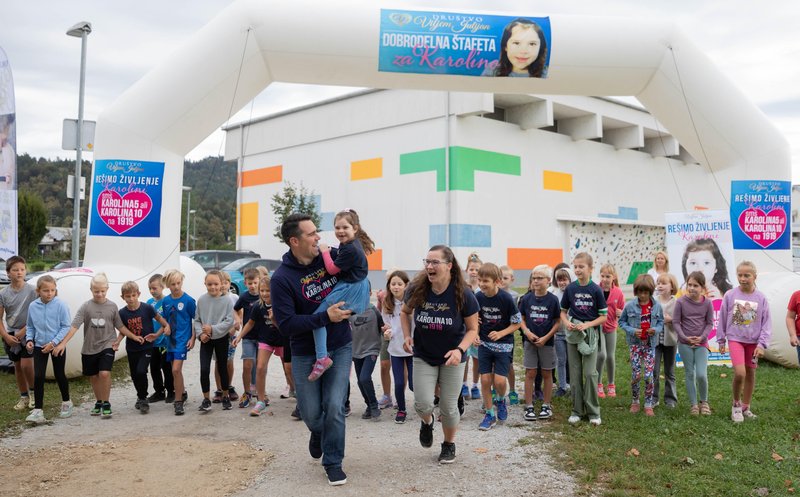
x=32, y=222
x=293, y=199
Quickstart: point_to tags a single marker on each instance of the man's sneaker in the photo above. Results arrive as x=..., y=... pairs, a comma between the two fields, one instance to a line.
x=244, y=400
x=530, y=414
x=748, y=414
x=259, y=408
x=178, y=405
x=286, y=393
x=336, y=476
x=489, y=420
x=465, y=391
x=21, y=404
x=320, y=366
x=217, y=397
x=144, y=408
x=736, y=414
x=400, y=418
x=546, y=412
x=296, y=414
x=169, y=398
x=226, y=403
x=573, y=420
x=36, y=416
x=156, y=397
x=448, y=453
x=205, y=406
x=138, y=404
x=386, y=401
x=612, y=390
x=600, y=393
x=513, y=398
x=98, y=406
x=315, y=445
x=475, y=393
x=460, y=405
x=105, y=412
x=66, y=409
x=502, y=410
x=232, y=394
x=595, y=421
x=426, y=434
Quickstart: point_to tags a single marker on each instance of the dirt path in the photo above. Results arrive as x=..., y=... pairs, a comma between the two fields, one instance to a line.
x=231, y=453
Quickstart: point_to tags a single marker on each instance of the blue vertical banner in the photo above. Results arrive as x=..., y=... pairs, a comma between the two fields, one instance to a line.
x=8, y=161
x=761, y=214
x=126, y=198
x=463, y=44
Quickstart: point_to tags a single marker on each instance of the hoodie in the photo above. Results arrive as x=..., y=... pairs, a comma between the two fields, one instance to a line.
x=297, y=291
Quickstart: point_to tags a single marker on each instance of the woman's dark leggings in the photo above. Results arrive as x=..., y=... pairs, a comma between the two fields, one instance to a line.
x=398, y=371
x=218, y=346
x=39, y=371
x=364, y=368
x=138, y=362
x=161, y=372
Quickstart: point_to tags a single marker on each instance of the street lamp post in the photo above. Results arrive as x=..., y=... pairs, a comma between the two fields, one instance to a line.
x=193, y=212
x=188, y=213
x=80, y=30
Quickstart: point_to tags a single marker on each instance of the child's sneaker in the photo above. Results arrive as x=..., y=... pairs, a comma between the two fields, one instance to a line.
x=217, y=397
x=36, y=416
x=635, y=407
x=612, y=390
x=736, y=414
x=226, y=403
x=705, y=409
x=574, y=419
x=105, y=412
x=448, y=453
x=320, y=366
x=66, y=409
x=648, y=411
x=600, y=393
x=400, y=418
x=386, y=401
x=205, y=406
x=530, y=414
x=465, y=391
x=232, y=394
x=258, y=409
x=546, y=412
x=595, y=422
x=98, y=406
x=145, y=407
x=22, y=404
x=244, y=400
x=513, y=398
x=502, y=410
x=489, y=420
x=178, y=405
x=475, y=393
x=748, y=414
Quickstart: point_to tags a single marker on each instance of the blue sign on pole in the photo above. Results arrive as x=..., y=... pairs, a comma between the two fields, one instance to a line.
x=761, y=214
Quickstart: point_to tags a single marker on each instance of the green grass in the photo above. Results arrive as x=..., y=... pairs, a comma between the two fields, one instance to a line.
x=677, y=451
x=80, y=390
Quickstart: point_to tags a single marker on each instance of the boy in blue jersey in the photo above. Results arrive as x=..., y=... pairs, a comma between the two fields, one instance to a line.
x=499, y=319
x=178, y=308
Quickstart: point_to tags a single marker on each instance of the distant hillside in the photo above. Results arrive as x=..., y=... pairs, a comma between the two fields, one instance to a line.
x=213, y=183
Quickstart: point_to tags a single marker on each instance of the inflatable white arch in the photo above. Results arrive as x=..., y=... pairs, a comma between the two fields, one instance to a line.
x=253, y=43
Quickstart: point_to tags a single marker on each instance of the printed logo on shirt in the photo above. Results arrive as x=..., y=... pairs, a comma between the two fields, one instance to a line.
x=426, y=321
x=538, y=313
x=584, y=301
x=180, y=306
x=98, y=323
x=135, y=325
x=491, y=315
x=314, y=288
x=744, y=312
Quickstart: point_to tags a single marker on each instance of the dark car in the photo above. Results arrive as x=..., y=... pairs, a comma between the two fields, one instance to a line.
x=217, y=259
x=237, y=268
x=67, y=264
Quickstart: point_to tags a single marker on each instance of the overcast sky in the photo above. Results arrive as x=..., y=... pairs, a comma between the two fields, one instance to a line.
x=756, y=44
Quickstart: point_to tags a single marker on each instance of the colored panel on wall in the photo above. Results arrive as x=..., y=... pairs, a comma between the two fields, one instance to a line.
x=465, y=161
x=561, y=182
x=462, y=235
x=637, y=268
x=248, y=219
x=261, y=176
x=631, y=213
x=375, y=260
x=425, y=161
x=326, y=221
x=528, y=258
x=366, y=169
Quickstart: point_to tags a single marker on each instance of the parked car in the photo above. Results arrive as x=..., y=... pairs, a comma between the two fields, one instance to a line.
x=66, y=264
x=237, y=268
x=217, y=259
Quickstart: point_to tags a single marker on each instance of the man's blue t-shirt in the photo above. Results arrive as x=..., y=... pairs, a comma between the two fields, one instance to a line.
x=497, y=313
x=540, y=313
x=584, y=303
x=179, y=313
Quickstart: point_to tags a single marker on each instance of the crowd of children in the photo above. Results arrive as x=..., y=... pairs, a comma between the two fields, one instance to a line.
x=567, y=324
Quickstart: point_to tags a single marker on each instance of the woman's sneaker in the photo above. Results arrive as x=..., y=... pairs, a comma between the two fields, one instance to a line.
x=66, y=409
x=217, y=397
x=320, y=366
x=22, y=404
x=259, y=408
x=400, y=418
x=425, y=434
x=448, y=453
x=178, y=405
x=205, y=406
x=36, y=416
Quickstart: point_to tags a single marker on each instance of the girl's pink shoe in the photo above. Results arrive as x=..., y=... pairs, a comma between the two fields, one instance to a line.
x=320, y=366
x=600, y=393
x=612, y=390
